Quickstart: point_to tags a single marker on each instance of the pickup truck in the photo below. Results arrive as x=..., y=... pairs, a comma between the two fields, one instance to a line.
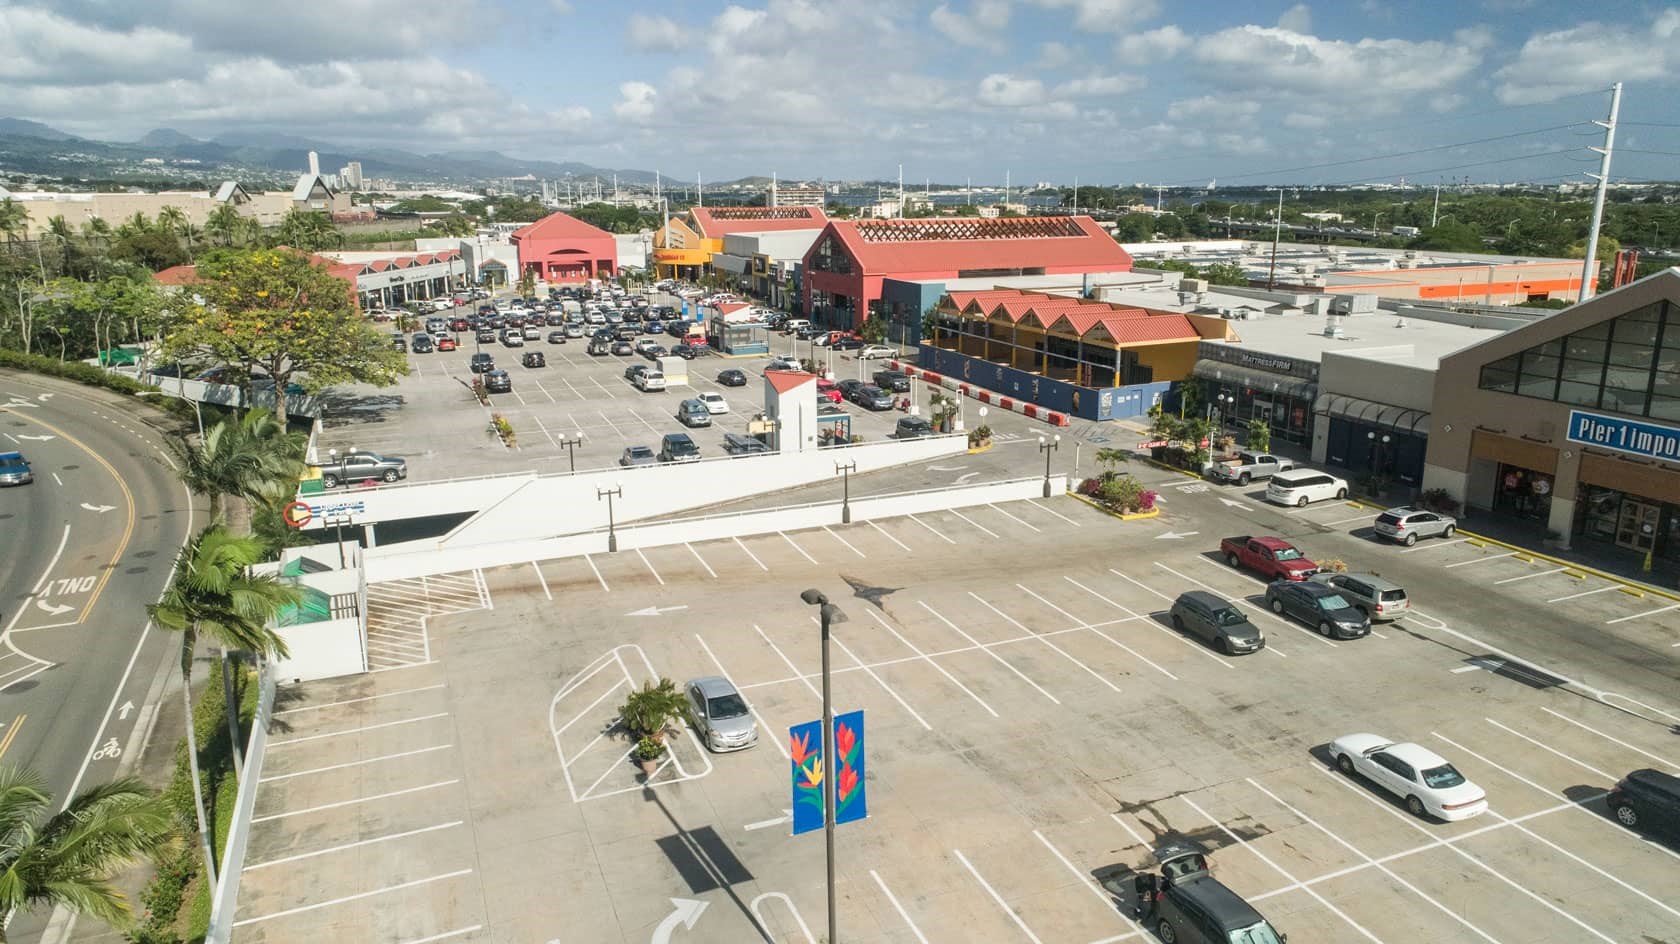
x=1249, y=466
x=1272, y=558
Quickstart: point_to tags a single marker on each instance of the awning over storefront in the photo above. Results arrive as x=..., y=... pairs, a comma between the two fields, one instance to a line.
x=1260, y=381
x=1371, y=413
x=734, y=265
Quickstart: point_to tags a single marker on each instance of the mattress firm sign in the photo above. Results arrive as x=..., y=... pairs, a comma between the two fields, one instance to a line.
x=1630, y=436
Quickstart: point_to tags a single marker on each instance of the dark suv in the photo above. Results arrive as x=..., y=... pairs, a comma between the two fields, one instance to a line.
x=498, y=381
x=896, y=381
x=1217, y=621
x=1647, y=799
x=1184, y=903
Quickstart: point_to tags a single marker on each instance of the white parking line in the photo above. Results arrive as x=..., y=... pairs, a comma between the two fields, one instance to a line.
x=1540, y=573
x=1053, y=512
x=1636, y=750
x=797, y=547
x=544, y=390
x=702, y=560
x=1055, y=648
x=352, y=701
x=1478, y=560
x=645, y=422
x=788, y=662
x=591, y=562
x=867, y=670
x=538, y=420
x=517, y=396
x=1083, y=878
x=355, y=763
x=1358, y=791
x=930, y=528
x=1584, y=593
x=1279, y=869
x=1264, y=611
x=1552, y=750
x=1146, y=621
x=987, y=650
x=898, y=907
x=365, y=727
x=1661, y=609
x=934, y=665
x=352, y=845
x=1086, y=625
x=888, y=536
x=770, y=732
x=444, y=936
x=609, y=393
x=575, y=391
x=1424, y=547
x=1011, y=517
x=1129, y=830
x=616, y=431
x=750, y=554
x=845, y=542
x=342, y=803
x=541, y=579
x=977, y=524
x=1373, y=862
x=997, y=898
x=356, y=897
x=649, y=565
x=1330, y=524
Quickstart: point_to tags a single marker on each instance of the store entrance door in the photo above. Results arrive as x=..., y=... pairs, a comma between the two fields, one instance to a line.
x=1636, y=528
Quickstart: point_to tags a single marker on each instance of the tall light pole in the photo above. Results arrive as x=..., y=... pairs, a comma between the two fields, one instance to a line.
x=1277, y=234
x=845, y=470
x=617, y=491
x=1047, y=446
x=1589, y=265
x=570, y=444
x=829, y=614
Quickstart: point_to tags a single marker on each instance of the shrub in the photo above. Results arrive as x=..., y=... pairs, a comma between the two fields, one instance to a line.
x=648, y=749
x=979, y=436
x=1122, y=493
x=1332, y=565
x=91, y=376
x=1146, y=501
x=1438, y=499
x=1089, y=487
x=499, y=426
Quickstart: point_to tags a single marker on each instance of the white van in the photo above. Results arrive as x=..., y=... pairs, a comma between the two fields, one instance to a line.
x=1300, y=486
x=794, y=324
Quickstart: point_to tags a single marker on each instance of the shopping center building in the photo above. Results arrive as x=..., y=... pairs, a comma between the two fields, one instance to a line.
x=684, y=247
x=1572, y=424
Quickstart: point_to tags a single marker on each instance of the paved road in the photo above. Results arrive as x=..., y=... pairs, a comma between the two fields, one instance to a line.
x=82, y=551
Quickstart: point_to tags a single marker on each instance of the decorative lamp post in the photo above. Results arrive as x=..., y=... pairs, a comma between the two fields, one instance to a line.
x=845, y=470
x=617, y=491
x=1048, y=446
x=829, y=614
x=570, y=444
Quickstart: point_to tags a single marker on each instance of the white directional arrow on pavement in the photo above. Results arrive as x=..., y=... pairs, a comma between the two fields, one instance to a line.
x=946, y=468
x=1234, y=503
x=17, y=402
x=685, y=911
x=99, y=508
x=44, y=396
x=37, y=438
x=767, y=823
x=965, y=477
x=1175, y=535
x=53, y=608
x=122, y=713
x=656, y=610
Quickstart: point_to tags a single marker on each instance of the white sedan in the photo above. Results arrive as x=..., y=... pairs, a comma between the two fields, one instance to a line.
x=1429, y=785
x=871, y=352
x=715, y=403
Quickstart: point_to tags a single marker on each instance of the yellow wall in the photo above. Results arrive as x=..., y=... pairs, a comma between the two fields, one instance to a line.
x=1170, y=361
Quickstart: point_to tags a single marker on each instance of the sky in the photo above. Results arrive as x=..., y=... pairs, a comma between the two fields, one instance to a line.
x=1107, y=91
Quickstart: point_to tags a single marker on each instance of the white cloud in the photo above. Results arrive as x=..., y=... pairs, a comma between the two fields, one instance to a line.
x=655, y=33
x=1296, y=19
x=1219, y=107
x=1003, y=90
x=1097, y=84
x=1154, y=45
x=38, y=46
x=561, y=7
x=637, y=101
x=1591, y=56
x=1105, y=16
x=1260, y=57
x=1304, y=121
x=978, y=28
x=1054, y=55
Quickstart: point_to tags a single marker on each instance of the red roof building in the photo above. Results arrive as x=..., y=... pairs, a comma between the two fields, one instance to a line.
x=562, y=248
x=844, y=268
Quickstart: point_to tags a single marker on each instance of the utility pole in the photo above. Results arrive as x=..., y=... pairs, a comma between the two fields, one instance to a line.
x=772, y=188
x=699, y=190
x=1277, y=233
x=1589, y=265
x=1158, y=191
x=1076, y=196
x=901, y=191
x=1435, y=216
x=1006, y=188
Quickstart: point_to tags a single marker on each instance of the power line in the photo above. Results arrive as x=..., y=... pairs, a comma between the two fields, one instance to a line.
x=1442, y=170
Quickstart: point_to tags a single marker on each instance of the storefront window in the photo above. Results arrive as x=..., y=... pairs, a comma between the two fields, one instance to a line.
x=1523, y=493
x=1627, y=364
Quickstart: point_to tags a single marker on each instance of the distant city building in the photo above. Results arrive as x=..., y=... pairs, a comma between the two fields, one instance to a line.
x=311, y=193
x=563, y=248
x=350, y=175
x=782, y=196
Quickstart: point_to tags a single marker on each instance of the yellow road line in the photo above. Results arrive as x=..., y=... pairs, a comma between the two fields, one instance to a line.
x=11, y=734
x=128, y=499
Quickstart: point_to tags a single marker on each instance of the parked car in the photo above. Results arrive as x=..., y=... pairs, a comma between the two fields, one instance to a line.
x=652, y=327
x=895, y=380
x=849, y=387
x=622, y=348
x=912, y=427
x=652, y=351
x=557, y=337
x=15, y=469
x=1250, y=466
x=784, y=363
x=1184, y=903
x=1300, y=486
x=481, y=363
x=871, y=397
x=693, y=413
x=828, y=390
x=847, y=343
x=1378, y=598
x=637, y=455
x=446, y=343
x=574, y=330
x=732, y=377
x=1318, y=606
x=458, y=323
x=1429, y=785
x=398, y=344
x=1216, y=621
x=649, y=380
x=486, y=336
x=632, y=371
x=720, y=714
x=1407, y=525
x=533, y=332
x=359, y=466
x=738, y=445
x=498, y=381
x=534, y=359
x=1647, y=799
x=419, y=344
x=512, y=338
x=599, y=348
x=870, y=352
x=687, y=350
x=677, y=447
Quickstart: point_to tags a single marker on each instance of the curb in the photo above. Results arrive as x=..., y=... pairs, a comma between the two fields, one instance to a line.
x=1152, y=513
x=1630, y=587
x=976, y=450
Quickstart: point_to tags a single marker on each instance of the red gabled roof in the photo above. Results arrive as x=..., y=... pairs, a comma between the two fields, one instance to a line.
x=425, y=259
x=884, y=247
x=177, y=275
x=718, y=222
x=1015, y=308
x=785, y=380
x=1162, y=327
x=560, y=226
x=961, y=300
x=728, y=307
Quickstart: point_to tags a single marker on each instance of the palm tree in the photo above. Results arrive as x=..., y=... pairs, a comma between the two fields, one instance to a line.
x=67, y=860
x=60, y=229
x=14, y=219
x=223, y=222
x=251, y=456
x=213, y=592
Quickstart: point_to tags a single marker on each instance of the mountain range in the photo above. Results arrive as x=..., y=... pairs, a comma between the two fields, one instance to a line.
x=33, y=147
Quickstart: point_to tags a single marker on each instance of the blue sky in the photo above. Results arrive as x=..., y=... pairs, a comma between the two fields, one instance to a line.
x=1106, y=90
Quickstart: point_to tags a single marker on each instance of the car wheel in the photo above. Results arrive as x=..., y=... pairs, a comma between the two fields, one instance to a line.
x=1223, y=645
x=1243, y=479
x=390, y=475
x=329, y=481
x=1178, y=623
x=1232, y=560
x=1627, y=815
x=1165, y=930
x=1302, y=503
x=1323, y=628
x=1277, y=605
x=1344, y=764
x=1411, y=539
x=1447, y=532
x=1341, y=493
x=1415, y=806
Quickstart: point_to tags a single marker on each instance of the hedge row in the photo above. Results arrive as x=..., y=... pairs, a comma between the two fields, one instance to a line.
x=91, y=376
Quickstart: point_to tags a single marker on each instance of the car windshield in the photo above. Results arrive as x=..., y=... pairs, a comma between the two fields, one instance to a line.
x=640, y=452
x=1443, y=776
x=725, y=707
x=1261, y=933
x=1332, y=601
x=1287, y=554
x=1231, y=617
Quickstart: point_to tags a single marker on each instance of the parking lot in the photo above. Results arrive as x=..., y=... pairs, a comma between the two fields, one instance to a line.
x=1032, y=720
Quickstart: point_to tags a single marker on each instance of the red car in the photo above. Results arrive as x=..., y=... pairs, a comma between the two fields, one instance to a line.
x=829, y=389
x=446, y=343
x=459, y=324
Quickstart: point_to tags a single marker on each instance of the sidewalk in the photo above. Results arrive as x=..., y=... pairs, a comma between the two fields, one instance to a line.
x=1664, y=576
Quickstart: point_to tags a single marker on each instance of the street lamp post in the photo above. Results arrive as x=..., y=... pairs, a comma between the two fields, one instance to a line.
x=617, y=491
x=1378, y=446
x=570, y=444
x=845, y=470
x=829, y=614
x=1047, y=446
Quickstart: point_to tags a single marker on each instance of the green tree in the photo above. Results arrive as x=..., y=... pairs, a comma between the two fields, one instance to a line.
x=212, y=592
x=152, y=249
x=1225, y=273
x=1259, y=435
x=224, y=223
x=874, y=329
x=1135, y=228
x=251, y=456
x=308, y=230
x=67, y=859
x=1451, y=236
x=280, y=312
x=14, y=219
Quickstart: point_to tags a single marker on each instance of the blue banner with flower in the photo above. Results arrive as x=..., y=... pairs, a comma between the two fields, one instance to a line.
x=810, y=767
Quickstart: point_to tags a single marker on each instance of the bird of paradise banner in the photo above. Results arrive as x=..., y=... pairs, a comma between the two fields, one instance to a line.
x=809, y=768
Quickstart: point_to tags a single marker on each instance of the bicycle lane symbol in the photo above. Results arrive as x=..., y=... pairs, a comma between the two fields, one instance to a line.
x=110, y=749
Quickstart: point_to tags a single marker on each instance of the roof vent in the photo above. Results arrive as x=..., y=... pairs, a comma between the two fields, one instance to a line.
x=1333, y=326
x=1400, y=322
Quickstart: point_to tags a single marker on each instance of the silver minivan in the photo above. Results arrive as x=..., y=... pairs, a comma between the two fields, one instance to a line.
x=1379, y=599
x=1301, y=486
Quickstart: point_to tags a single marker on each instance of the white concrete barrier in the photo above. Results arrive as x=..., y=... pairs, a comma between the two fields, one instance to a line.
x=225, y=900
x=425, y=558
